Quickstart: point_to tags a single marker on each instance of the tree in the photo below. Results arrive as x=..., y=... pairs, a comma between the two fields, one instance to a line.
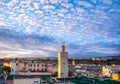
x=6, y=69
x=70, y=73
x=55, y=74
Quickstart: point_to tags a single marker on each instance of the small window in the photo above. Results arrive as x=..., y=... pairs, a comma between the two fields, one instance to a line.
x=35, y=82
x=45, y=69
x=16, y=64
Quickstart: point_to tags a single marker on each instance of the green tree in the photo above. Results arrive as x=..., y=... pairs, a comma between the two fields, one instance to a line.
x=55, y=74
x=70, y=73
x=6, y=69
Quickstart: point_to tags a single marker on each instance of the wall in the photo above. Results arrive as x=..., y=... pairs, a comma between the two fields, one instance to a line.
x=62, y=64
x=9, y=82
x=115, y=76
x=26, y=81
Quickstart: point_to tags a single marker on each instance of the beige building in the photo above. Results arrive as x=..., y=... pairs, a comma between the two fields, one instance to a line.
x=19, y=67
x=62, y=63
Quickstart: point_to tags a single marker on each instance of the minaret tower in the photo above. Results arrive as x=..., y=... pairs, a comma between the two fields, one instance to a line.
x=62, y=63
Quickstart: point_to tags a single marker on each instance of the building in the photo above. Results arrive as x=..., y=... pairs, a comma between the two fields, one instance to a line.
x=31, y=79
x=115, y=68
x=115, y=72
x=106, y=71
x=115, y=76
x=62, y=63
x=6, y=64
x=23, y=67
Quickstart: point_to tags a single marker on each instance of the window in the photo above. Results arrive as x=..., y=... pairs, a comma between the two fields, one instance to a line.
x=16, y=64
x=45, y=69
x=33, y=70
x=35, y=82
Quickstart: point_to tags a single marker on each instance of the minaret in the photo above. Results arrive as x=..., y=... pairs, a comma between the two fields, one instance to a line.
x=62, y=63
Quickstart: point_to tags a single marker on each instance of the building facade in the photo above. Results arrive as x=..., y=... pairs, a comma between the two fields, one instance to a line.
x=115, y=76
x=62, y=63
x=32, y=66
x=106, y=71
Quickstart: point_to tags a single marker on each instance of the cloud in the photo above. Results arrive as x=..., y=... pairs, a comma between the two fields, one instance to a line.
x=2, y=24
x=36, y=5
x=55, y=1
x=38, y=28
x=67, y=5
x=85, y=4
x=48, y=7
x=107, y=2
x=22, y=46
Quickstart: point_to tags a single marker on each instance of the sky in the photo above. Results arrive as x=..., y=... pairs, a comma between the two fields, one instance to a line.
x=37, y=28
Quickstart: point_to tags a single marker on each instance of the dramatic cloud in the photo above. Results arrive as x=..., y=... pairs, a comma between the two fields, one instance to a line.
x=37, y=28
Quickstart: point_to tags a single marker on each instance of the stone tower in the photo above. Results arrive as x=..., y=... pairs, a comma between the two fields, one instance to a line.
x=62, y=63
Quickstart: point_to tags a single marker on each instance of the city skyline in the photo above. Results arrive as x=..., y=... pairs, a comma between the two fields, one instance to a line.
x=37, y=28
